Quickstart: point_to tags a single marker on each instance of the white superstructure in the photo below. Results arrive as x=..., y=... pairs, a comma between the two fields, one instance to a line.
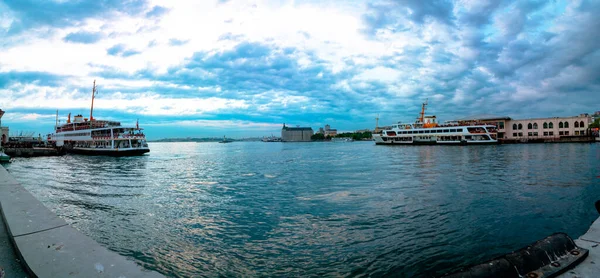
x=98, y=137
x=427, y=131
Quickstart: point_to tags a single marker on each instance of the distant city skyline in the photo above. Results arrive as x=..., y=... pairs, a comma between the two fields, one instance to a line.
x=243, y=68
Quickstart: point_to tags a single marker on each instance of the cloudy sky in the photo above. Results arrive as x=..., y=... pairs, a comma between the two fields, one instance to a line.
x=242, y=68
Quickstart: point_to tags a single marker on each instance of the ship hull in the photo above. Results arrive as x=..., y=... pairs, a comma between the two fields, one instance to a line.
x=109, y=152
x=416, y=143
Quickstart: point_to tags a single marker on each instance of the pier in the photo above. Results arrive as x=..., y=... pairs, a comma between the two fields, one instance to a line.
x=590, y=267
x=47, y=246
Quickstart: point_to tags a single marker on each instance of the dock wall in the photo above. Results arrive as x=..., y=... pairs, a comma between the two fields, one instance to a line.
x=49, y=247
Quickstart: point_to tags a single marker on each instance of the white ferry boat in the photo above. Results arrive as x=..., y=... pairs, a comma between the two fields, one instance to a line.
x=99, y=137
x=426, y=131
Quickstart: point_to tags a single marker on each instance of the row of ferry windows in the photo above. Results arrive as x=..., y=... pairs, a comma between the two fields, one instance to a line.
x=77, y=134
x=429, y=131
x=548, y=125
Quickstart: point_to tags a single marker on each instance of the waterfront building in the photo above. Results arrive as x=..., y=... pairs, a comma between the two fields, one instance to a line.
x=3, y=130
x=330, y=131
x=296, y=134
x=545, y=128
x=538, y=129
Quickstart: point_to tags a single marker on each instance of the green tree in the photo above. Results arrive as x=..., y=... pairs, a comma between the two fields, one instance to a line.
x=595, y=124
x=317, y=136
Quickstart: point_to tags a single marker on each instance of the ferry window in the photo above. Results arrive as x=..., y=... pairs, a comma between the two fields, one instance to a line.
x=576, y=124
x=545, y=133
x=551, y=125
x=535, y=126
x=420, y=131
x=545, y=125
x=566, y=124
x=426, y=131
x=581, y=124
x=551, y=133
x=515, y=126
x=520, y=126
x=560, y=125
x=529, y=126
x=446, y=130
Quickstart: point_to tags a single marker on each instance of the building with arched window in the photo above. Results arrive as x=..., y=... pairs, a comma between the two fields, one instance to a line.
x=540, y=129
x=552, y=128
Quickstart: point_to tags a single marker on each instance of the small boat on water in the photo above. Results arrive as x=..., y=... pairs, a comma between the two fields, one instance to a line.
x=98, y=137
x=342, y=139
x=426, y=131
x=226, y=140
x=271, y=139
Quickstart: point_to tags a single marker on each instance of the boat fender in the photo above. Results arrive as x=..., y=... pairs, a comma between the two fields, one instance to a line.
x=547, y=257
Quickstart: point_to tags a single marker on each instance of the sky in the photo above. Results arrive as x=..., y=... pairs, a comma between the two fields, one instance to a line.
x=243, y=68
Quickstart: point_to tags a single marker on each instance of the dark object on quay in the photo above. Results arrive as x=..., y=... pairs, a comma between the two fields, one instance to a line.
x=547, y=257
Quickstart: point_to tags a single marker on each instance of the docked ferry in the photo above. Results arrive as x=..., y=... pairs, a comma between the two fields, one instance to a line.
x=426, y=131
x=99, y=137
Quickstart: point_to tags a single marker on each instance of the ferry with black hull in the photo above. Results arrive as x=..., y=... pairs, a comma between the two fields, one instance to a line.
x=426, y=131
x=99, y=137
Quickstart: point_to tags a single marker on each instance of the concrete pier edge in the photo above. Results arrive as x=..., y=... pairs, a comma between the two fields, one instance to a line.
x=590, y=267
x=49, y=247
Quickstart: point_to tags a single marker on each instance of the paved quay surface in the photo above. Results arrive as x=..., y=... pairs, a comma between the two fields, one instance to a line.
x=8, y=258
x=590, y=267
x=48, y=246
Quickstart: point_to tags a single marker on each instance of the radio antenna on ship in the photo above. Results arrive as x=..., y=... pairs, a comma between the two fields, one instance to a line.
x=93, y=95
x=422, y=114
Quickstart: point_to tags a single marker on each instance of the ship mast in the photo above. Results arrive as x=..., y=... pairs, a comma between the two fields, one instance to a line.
x=93, y=95
x=422, y=114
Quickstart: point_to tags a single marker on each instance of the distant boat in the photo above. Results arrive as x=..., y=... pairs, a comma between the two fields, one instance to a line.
x=271, y=139
x=225, y=140
x=342, y=139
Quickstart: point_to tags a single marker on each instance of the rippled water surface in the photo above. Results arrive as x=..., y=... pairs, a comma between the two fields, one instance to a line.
x=320, y=209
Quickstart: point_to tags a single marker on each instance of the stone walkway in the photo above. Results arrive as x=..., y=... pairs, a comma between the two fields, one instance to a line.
x=8, y=259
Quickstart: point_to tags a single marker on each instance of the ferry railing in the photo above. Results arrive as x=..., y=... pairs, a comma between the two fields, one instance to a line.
x=120, y=136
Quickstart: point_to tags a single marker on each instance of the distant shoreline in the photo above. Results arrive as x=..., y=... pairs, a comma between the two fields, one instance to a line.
x=183, y=140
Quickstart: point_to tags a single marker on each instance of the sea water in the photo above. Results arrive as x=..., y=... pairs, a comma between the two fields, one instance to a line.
x=319, y=208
